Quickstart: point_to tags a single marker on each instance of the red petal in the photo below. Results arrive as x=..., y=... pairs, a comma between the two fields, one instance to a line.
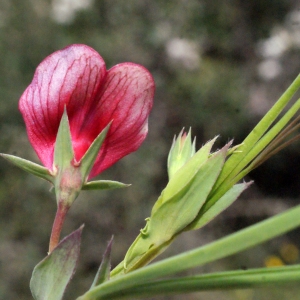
x=126, y=97
x=70, y=77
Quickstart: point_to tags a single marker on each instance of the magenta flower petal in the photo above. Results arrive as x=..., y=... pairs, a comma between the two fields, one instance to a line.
x=76, y=77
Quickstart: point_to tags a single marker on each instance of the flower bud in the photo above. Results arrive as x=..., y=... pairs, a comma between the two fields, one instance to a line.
x=181, y=151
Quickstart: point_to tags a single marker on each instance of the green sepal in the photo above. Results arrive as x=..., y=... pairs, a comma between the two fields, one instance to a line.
x=104, y=185
x=68, y=180
x=181, y=151
x=63, y=151
x=103, y=273
x=87, y=161
x=51, y=276
x=174, y=214
x=207, y=214
x=29, y=166
x=185, y=174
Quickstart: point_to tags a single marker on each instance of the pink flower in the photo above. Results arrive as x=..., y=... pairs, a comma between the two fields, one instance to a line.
x=76, y=77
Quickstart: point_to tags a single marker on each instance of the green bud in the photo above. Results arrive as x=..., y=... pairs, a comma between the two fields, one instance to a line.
x=177, y=207
x=181, y=151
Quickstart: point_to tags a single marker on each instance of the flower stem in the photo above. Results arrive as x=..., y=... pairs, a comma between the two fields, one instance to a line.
x=57, y=225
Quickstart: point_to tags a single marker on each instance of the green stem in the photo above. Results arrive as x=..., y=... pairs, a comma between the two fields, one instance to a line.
x=221, y=248
x=224, y=280
x=237, y=166
x=264, y=142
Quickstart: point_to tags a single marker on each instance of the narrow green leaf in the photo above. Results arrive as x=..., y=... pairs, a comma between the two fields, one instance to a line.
x=241, y=279
x=234, y=243
x=104, y=269
x=267, y=139
x=51, y=276
x=232, y=166
x=63, y=151
x=206, y=215
x=29, y=166
x=90, y=156
x=104, y=185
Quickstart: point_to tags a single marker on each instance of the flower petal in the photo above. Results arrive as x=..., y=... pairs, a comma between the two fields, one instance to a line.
x=126, y=98
x=69, y=77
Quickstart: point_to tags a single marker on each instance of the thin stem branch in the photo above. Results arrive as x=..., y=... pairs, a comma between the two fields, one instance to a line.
x=57, y=225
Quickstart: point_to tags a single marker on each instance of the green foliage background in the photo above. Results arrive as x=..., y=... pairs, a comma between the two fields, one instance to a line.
x=218, y=66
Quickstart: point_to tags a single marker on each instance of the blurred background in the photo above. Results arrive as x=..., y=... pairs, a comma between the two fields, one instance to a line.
x=218, y=67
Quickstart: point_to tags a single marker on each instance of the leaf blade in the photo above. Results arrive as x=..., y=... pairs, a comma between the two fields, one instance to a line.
x=206, y=215
x=29, y=166
x=104, y=185
x=51, y=276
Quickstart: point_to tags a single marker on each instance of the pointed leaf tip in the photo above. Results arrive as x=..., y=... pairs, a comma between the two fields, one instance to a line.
x=104, y=269
x=208, y=213
x=63, y=151
x=29, y=166
x=104, y=185
x=89, y=158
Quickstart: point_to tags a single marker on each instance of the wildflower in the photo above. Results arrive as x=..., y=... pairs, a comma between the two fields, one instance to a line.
x=81, y=119
x=76, y=78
